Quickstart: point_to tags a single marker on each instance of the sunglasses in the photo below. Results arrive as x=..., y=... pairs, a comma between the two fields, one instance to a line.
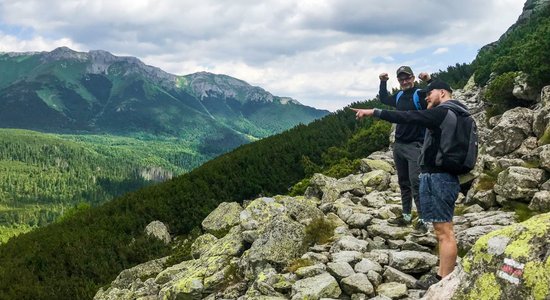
x=402, y=79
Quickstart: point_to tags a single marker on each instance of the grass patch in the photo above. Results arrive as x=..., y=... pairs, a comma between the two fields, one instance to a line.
x=298, y=263
x=521, y=209
x=319, y=231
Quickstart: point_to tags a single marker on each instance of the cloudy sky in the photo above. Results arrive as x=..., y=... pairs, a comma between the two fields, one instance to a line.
x=324, y=53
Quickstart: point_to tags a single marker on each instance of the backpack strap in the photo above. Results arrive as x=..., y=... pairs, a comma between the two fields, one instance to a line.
x=397, y=98
x=416, y=99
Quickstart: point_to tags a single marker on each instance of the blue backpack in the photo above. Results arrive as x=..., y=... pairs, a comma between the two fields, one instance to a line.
x=416, y=99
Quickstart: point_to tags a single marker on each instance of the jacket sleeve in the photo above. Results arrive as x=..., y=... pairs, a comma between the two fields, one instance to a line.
x=383, y=93
x=429, y=118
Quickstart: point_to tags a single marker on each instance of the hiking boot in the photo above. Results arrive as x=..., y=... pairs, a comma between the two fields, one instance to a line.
x=399, y=221
x=421, y=227
x=426, y=283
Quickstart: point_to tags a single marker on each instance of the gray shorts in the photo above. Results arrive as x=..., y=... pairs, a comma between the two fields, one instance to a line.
x=438, y=194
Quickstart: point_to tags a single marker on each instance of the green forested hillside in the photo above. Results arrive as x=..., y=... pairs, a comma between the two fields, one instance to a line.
x=72, y=258
x=44, y=175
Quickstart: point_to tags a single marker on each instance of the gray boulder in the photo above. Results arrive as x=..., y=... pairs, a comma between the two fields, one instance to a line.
x=376, y=180
x=540, y=201
x=522, y=90
x=349, y=243
x=158, y=230
x=544, y=156
x=320, y=286
x=394, y=275
x=281, y=242
x=340, y=269
x=514, y=126
x=412, y=261
x=392, y=290
x=541, y=122
x=221, y=219
x=366, y=265
x=357, y=283
x=389, y=232
x=519, y=183
x=368, y=165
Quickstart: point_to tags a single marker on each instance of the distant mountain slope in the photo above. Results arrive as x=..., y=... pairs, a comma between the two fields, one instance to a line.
x=68, y=91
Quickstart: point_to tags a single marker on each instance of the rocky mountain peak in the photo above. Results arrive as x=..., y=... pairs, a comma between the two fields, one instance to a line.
x=205, y=84
x=529, y=8
x=64, y=53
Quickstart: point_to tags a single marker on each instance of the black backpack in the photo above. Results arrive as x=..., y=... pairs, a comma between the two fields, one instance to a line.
x=458, y=144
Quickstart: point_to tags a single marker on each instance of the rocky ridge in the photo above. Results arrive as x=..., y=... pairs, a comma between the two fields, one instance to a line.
x=335, y=242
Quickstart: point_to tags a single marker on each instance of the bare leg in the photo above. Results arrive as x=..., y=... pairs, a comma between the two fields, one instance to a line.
x=447, y=247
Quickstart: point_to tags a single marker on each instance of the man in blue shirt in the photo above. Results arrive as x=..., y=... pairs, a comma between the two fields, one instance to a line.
x=408, y=141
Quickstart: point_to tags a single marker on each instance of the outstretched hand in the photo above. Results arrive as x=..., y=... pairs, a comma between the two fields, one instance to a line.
x=360, y=113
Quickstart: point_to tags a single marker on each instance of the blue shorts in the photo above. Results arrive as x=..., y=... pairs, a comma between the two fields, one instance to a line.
x=438, y=194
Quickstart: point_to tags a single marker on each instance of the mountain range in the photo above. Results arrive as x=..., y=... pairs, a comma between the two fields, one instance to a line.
x=65, y=91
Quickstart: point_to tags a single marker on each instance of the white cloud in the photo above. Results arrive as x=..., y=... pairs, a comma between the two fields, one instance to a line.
x=324, y=53
x=441, y=50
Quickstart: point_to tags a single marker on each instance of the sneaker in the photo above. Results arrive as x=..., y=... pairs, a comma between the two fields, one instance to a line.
x=399, y=221
x=421, y=227
x=426, y=282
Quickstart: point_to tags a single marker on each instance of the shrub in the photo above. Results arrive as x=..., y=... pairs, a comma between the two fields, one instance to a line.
x=343, y=168
x=499, y=94
x=299, y=188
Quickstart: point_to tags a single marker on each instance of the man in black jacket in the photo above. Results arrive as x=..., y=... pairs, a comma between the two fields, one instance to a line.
x=408, y=140
x=438, y=188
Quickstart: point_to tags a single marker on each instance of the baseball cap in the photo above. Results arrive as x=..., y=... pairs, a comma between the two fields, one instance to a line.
x=406, y=70
x=438, y=85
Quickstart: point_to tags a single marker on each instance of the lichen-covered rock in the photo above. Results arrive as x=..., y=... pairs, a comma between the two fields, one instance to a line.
x=357, y=283
x=349, y=243
x=513, y=127
x=376, y=180
x=351, y=257
x=510, y=263
x=412, y=261
x=221, y=219
x=259, y=212
x=320, y=286
x=366, y=265
x=329, y=189
x=368, y=165
x=282, y=241
x=158, y=230
x=311, y=271
x=519, y=183
x=340, y=269
x=133, y=282
x=389, y=232
x=466, y=238
x=202, y=244
x=392, y=290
